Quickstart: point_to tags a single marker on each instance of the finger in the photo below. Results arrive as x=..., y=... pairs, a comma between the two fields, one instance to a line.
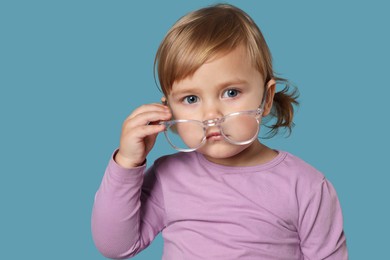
x=147, y=130
x=146, y=118
x=148, y=108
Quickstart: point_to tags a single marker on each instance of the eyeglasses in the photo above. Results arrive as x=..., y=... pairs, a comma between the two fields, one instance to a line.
x=239, y=128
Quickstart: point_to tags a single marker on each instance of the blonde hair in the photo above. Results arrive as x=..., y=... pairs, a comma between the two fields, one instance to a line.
x=204, y=33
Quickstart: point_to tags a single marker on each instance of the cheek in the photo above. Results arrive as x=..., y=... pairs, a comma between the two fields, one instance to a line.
x=184, y=112
x=247, y=103
x=249, y=100
x=241, y=129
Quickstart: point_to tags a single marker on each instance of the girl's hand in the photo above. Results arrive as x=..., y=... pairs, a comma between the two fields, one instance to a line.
x=139, y=134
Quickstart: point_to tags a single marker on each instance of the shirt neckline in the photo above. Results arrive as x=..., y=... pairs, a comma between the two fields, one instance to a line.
x=240, y=169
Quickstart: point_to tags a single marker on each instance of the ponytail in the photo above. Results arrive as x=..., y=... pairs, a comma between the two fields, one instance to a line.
x=283, y=108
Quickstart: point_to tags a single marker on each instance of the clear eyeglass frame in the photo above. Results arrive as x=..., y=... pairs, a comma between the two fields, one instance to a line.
x=257, y=114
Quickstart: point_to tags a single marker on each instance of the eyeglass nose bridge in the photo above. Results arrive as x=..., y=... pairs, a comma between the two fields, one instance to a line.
x=213, y=122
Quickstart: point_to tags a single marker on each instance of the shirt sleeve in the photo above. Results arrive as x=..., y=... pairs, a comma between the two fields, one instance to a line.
x=321, y=225
x=128, y=211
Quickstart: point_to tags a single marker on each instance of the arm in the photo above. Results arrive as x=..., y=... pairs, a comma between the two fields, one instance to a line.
x=126, y=217
x=321, y=225
x=128, y=211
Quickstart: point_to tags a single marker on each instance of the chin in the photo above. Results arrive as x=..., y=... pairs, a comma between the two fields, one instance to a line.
x=222, y=150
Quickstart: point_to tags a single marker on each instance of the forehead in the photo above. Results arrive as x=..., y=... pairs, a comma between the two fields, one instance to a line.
x=234, y=67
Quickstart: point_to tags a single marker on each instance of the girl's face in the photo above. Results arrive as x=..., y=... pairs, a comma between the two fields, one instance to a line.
x=225, y=84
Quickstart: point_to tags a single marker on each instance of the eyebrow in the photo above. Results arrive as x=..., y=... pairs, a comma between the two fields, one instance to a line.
x=188, y=90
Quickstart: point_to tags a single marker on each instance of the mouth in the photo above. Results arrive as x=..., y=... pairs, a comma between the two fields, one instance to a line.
x=214, y=136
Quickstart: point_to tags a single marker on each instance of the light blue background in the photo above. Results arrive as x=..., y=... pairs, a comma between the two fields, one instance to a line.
x=71, y=71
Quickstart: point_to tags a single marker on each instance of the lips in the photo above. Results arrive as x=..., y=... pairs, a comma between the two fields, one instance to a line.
x=214, y=135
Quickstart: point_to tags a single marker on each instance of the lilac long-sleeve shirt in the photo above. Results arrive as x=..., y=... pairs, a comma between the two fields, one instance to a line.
x=284, y=209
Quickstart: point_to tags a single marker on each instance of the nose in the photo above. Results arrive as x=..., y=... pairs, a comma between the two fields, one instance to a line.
x=212, y=110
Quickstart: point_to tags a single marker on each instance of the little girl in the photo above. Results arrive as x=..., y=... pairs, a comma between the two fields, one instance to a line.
x=225, y=195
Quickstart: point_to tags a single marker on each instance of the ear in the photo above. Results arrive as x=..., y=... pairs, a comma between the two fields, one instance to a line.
x=164, y=100
x=271, y=88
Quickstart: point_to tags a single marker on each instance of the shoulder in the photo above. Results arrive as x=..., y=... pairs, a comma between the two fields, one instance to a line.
x=299, y=171
x=175, y=159
x=174, y=163
x=308, y=184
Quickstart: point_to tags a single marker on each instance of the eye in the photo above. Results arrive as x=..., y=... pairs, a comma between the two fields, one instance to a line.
x=190, y=99
x=230, y=93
